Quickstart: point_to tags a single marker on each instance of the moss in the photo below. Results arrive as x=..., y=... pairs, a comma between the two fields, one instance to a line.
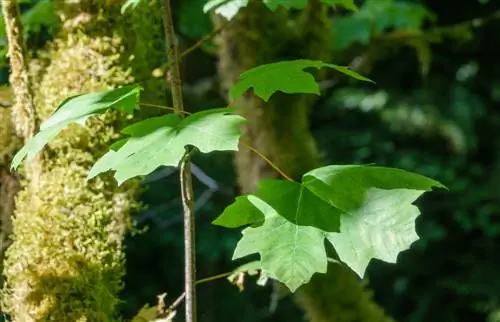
x=66, y=261
x=9, y=142
x=9, y=183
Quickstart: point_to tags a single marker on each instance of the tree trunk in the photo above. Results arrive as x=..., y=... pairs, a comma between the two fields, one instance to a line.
x=9, y=182
x=66, y=260
x=279, y=129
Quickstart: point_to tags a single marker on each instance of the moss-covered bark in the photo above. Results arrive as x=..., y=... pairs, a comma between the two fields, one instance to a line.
x=66, y=259
x=9, y=182
x=279, y=129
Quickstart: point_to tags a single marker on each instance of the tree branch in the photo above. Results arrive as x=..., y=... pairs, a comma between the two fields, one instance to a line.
x=23, y=112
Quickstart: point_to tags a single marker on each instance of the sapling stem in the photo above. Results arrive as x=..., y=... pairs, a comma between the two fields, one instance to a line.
x=185, y=169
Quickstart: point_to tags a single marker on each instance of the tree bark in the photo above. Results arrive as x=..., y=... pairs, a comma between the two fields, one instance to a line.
x=9, y=182
x=279, y=129
x=66, y=260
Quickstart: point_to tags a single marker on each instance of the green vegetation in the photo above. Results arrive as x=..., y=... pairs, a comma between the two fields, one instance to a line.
x=326, y=234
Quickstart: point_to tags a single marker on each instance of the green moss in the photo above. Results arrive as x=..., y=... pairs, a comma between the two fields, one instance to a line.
x=9, y=142
x=66, y=261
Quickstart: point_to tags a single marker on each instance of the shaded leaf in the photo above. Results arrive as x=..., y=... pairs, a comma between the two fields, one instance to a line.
x=291, y=200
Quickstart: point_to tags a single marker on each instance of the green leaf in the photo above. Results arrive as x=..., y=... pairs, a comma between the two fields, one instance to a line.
x=162, y=140
x=373, y=205
x=229, y=8
x=288, y=252
x=193, y=22
x=291, y=200
x=78, y=109
x=287, y=76
x=243, y=211
x=287, y=236
x=379, y=217
x=41, y=14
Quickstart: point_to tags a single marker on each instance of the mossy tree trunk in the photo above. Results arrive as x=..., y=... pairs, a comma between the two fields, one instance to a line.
x=9, y=182
x=66, y=260
x=280, y=130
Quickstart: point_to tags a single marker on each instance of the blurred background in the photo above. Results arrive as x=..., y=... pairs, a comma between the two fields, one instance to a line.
x=435, y=110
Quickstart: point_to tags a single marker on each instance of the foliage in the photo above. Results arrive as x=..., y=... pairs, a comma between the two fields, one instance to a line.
x=288, y=77
x=290, y=221
x=338, y=203
x=77, y=110
x=229, y=8
x=67, y=236
x=39, y=15
x=442, y=127
x=161, y=141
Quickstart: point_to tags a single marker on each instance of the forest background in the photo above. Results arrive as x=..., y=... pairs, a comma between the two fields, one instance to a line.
x=434, y=110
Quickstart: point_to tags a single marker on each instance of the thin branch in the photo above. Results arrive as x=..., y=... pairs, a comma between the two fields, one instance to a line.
x=213, y=278
x=163, y=107
x=198, y=44
x=204, y=39
x=274, y=166
x=23, y=112
x=173, y=58
x=203, y=280
x=185, y=169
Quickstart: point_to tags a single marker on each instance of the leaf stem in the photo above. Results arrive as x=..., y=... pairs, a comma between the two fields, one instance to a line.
x=203, y=280
x=247, y=145
x=163, y=107
x=274, y=166
x=205, y=38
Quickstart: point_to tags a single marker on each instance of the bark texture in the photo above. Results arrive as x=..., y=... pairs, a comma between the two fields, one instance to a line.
x=9, y=182
x=279, y=129
x=66, y=260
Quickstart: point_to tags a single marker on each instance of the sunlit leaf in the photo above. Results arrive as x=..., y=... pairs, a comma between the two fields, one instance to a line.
x=161, y=141
x=373, y=204
x=379, y=217
x=287, y=77
x=78, y=109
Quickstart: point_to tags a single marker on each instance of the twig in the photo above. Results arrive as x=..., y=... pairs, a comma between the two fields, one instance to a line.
x=164, y=108
x=205, y=38
x=173, y=58
x=204, y=280
x=23, y=112
x=274, y=166
x=185, y=169
x=247, y=145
